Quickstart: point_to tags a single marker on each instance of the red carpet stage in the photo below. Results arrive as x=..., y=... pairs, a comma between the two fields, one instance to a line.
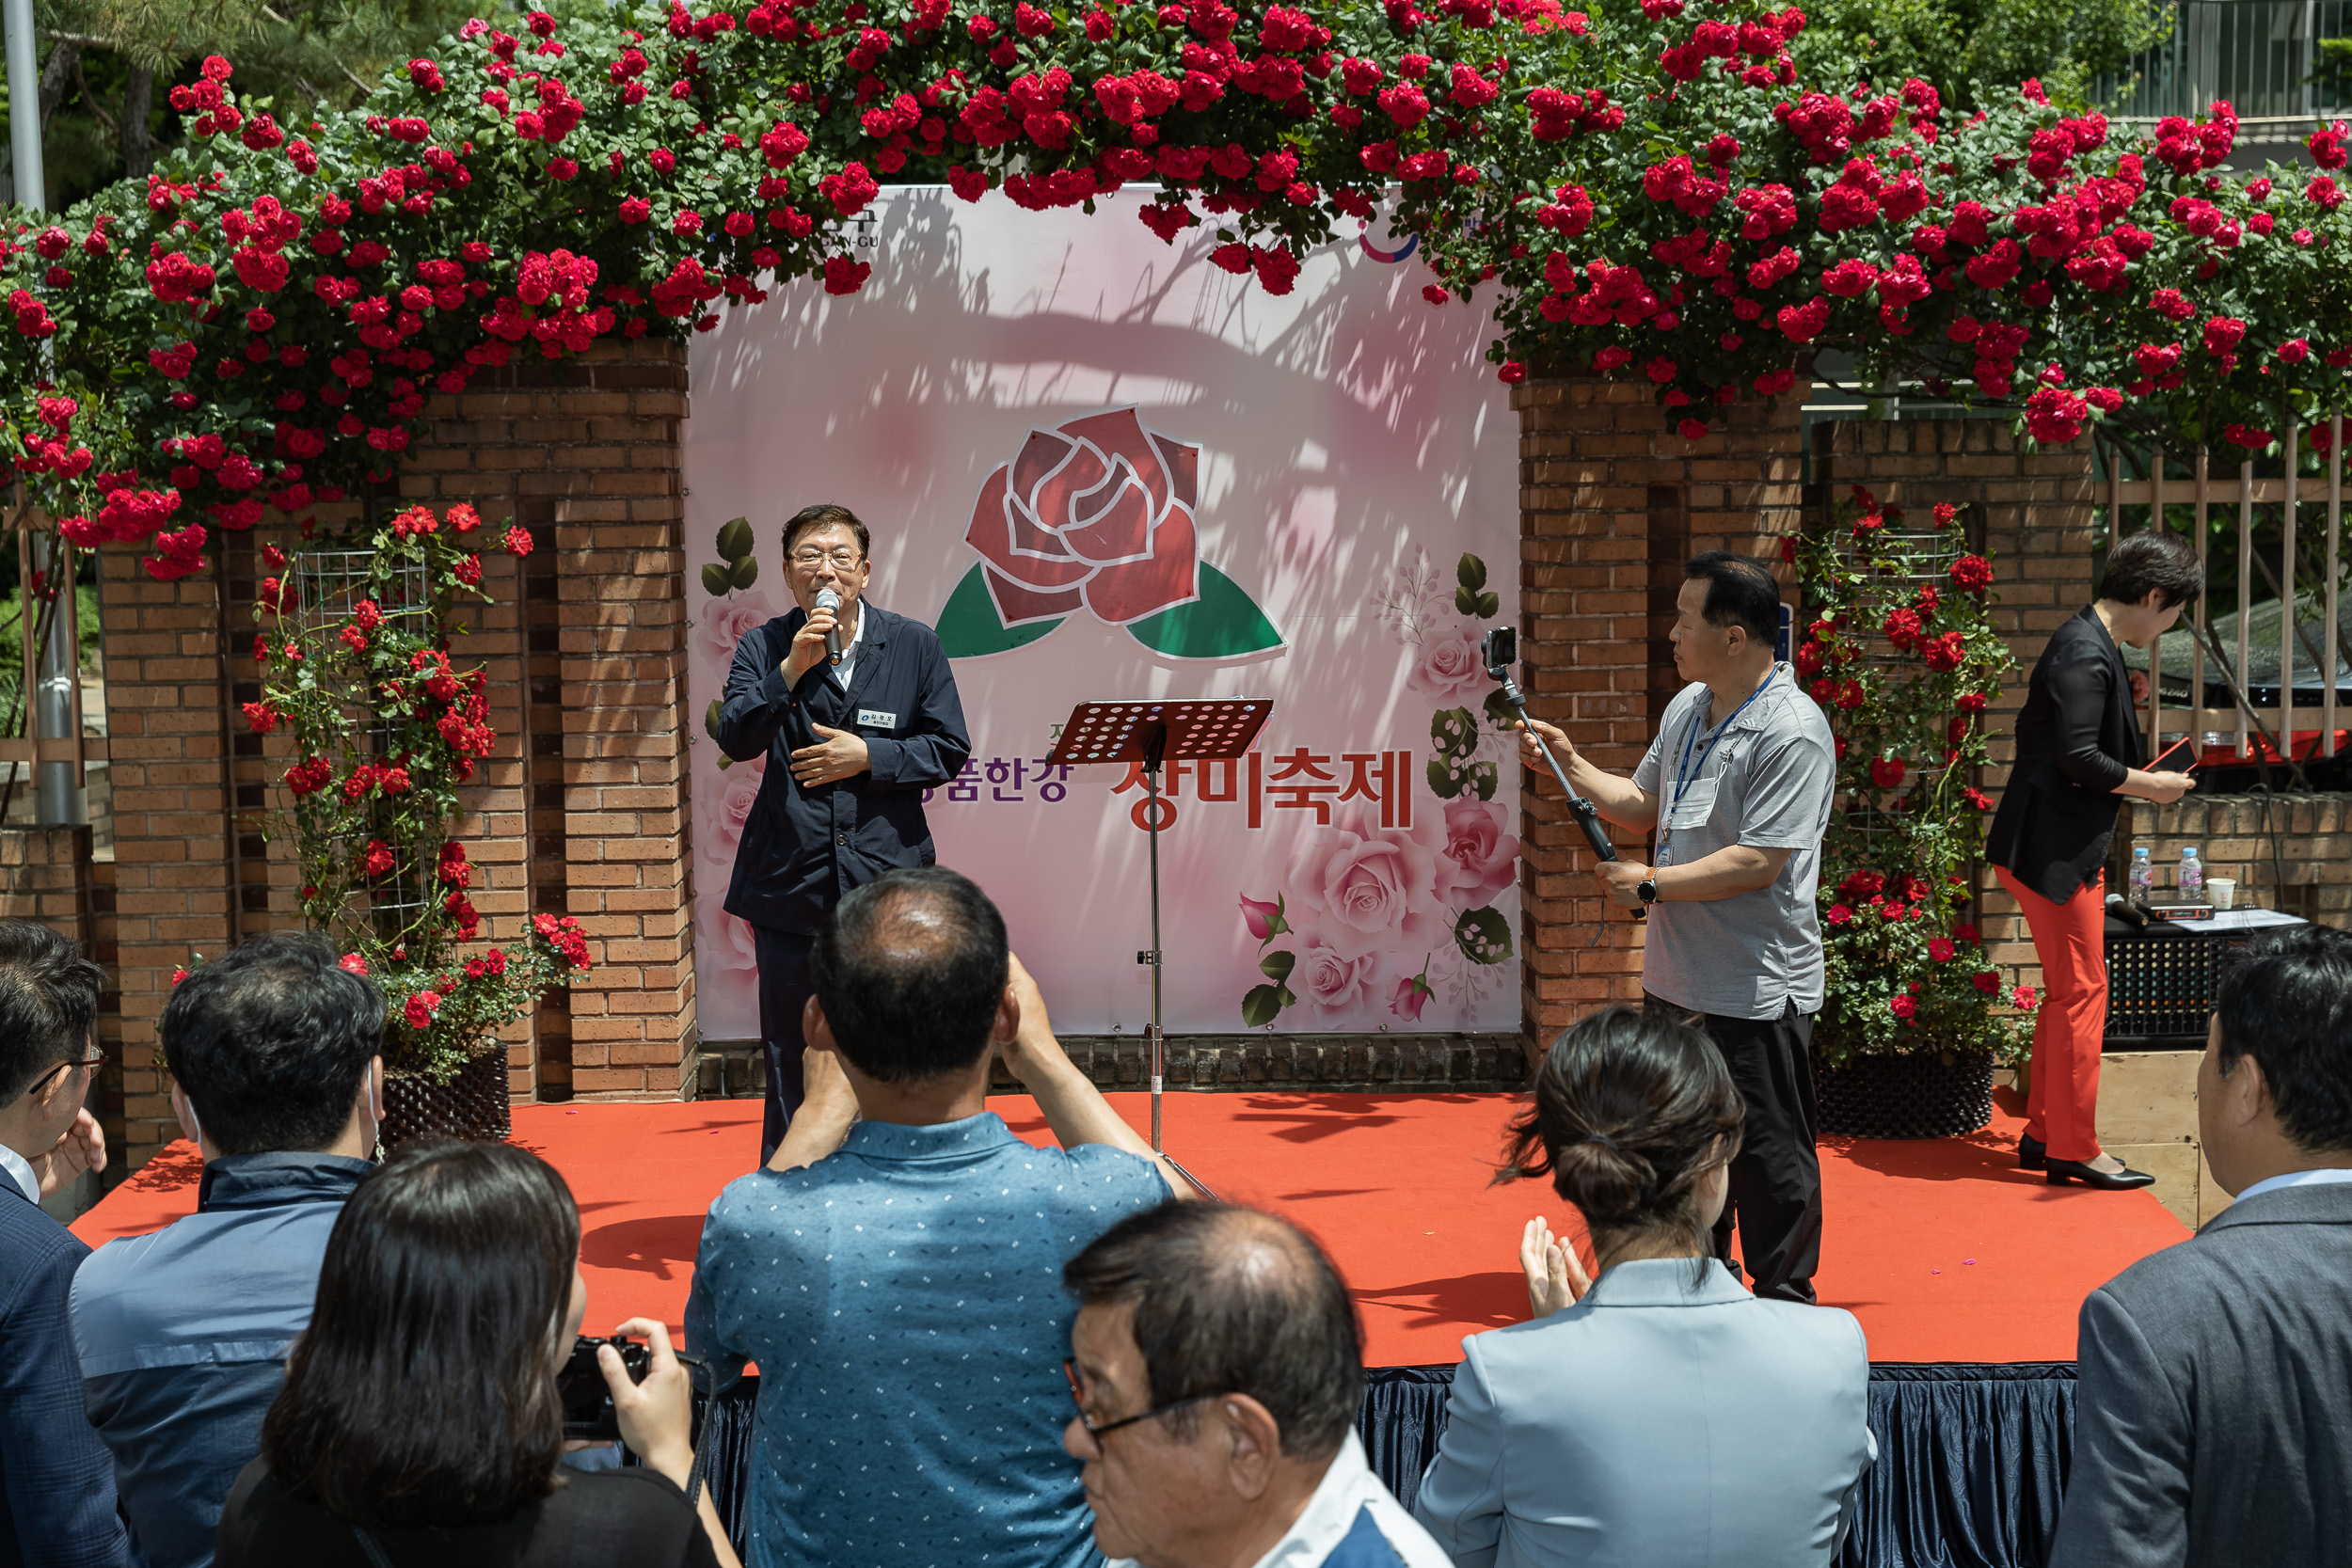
x=1942, y=1248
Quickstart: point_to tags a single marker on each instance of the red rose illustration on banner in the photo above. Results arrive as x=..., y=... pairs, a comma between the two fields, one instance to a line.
x=1097, y=513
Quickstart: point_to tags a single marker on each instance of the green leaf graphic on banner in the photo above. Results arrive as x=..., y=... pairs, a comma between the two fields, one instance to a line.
x=1223, y=623
x=1483, y=935
x=969, y=628
x=1259, y=1008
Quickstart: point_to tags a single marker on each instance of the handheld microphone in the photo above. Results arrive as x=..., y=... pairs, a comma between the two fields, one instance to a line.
x=828, y=599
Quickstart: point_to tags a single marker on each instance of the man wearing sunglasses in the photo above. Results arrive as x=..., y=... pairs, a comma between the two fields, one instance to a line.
x=853, y=713
x=1218, y=1364
x=56, y=1478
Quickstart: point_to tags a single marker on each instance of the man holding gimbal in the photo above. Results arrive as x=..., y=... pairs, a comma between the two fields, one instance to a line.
x=1738, y=786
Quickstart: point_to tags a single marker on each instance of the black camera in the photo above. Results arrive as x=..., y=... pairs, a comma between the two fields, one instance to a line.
x=1500, y=649
x=588, y=1411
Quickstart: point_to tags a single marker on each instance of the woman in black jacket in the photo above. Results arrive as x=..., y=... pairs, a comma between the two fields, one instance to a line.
x=2079, y=745
x=420, y=1427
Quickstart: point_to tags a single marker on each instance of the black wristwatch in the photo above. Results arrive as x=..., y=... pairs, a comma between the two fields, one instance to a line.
x=1649, y=890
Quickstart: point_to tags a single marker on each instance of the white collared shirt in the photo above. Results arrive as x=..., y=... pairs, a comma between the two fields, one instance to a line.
x=19, y=1172
x=2296, y=1178
x=1352, y=1521
x=841, y=671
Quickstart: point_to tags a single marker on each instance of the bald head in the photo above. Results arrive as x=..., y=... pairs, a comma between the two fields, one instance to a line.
x=1230, y=1301
x=909, y=971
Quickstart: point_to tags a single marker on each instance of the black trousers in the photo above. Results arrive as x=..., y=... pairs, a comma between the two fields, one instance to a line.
x=784, y=994
x=1777, y=1175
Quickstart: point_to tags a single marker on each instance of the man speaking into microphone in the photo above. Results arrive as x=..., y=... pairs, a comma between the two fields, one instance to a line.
x=857, y=714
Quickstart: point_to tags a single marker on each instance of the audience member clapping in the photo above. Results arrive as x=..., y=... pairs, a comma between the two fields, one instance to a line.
x=1217, y=1366
x=897, y=1280
x=57, y=1479
x=421, y=1422
x=2213, y=1422
x=1656, y=1414
x=182, y=1334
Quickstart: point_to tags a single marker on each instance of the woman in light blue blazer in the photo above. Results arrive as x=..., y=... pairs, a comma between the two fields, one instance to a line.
x=1656, y=1414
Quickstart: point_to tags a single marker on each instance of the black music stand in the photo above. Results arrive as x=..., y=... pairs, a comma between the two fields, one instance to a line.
x=1209, y=730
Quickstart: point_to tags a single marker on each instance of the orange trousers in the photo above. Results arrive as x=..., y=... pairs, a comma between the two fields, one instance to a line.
x=2070, y=939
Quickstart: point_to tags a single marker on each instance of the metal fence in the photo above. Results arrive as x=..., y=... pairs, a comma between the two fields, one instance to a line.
x=2259, y=55
x=41, y=708
x=2268, y=671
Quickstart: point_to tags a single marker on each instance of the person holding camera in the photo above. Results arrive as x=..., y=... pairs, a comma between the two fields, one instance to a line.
x=421, y=1421
x=1737, y=784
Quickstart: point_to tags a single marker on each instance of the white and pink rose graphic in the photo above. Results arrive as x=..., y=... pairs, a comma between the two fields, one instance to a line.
x=1366, y=915
x=1371, y=888
x=1449, y=668
x=722, y=625
x=728, y=807
x=1486, y=855
x=1096, y=514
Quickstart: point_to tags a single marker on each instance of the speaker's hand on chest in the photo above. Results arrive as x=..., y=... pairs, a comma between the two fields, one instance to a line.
x=840, y=754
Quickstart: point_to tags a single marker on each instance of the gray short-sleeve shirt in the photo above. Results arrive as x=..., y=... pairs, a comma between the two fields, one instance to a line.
x=1773, y=775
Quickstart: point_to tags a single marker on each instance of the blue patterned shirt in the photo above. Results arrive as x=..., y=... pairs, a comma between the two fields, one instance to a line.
x=903, y=1300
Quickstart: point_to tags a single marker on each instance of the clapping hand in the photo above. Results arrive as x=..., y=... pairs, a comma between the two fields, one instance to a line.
x=1555, y=1277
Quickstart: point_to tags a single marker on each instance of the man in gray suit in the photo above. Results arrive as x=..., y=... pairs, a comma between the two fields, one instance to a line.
x=2213, y=1419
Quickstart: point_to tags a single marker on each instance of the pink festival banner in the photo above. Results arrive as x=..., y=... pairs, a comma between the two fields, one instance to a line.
x=1103, y=468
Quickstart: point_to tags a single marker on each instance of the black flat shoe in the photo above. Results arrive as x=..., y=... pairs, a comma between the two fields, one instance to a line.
x=2063, y=1171
x=2032, y=1153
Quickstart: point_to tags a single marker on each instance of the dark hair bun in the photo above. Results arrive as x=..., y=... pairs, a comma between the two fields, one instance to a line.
x=1607, y=1185
x=1631, y=1108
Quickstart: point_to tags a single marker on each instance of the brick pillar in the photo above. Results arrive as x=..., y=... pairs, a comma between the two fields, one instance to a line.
x=176, y=842
x=2034, y=506
x=581, y=809
x=592, y=821
x=1612, y=503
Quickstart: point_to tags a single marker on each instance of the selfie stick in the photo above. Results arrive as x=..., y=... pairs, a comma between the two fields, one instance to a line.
x=1588, y=815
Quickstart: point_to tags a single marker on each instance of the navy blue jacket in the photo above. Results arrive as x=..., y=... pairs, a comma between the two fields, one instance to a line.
x=183, y=1336
x=803, y=848
x=57, y=1479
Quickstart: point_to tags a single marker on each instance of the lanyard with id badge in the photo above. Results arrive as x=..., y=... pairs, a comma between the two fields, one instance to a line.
x=1691, y=800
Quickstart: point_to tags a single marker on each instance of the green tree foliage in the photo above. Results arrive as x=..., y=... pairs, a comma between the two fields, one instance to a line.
x=1959, y=45
x=108, y=65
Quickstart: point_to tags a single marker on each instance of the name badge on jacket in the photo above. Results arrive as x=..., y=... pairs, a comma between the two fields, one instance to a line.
x=876, y=719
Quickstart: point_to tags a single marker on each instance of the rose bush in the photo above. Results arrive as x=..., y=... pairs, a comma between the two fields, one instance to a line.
x=258, y=328
x=1097, y=513
x=1903, y=656
x=382, y=727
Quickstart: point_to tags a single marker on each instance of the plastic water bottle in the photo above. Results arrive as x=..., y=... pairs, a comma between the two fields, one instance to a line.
x=2143, y=876
x=2190, y=879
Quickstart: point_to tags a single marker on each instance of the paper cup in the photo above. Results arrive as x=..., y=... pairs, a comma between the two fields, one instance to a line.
x=2222, y=891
